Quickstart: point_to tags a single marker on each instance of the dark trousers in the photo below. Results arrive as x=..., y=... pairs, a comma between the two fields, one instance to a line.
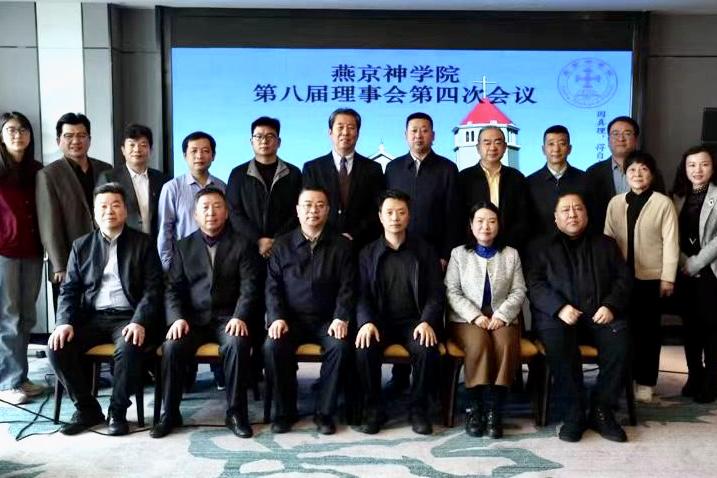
x=646, y=330
x=100, y=328
x=424, y=362
x=281, y=365
x=698, y=302
x=234, y=352
x=563, y=354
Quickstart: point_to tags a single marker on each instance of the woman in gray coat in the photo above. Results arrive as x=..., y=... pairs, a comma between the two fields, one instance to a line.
x=695, y=198
x=485, y=291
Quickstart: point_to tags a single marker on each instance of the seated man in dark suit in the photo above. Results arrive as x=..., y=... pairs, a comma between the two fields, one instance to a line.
x=309, y=298
x=579, y=289
x=211, y=290
x=402, y=301
x=112, y=293
x=352, y=181
x=141, y=183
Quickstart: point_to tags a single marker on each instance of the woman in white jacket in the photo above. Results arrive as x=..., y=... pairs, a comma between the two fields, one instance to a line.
x=485, y=290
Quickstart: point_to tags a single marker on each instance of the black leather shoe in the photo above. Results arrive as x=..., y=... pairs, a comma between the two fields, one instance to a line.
x=475, y=424
x=602, y=420
x=324, y=424
x=420, y=423
x=692, y=386
x=372, y=421
x=117, y=423
x=82, y=421
x=281, y=425
x=165, y=426
x=494, y=424
x=571, y=432
x=240, y=427
x=395, y=387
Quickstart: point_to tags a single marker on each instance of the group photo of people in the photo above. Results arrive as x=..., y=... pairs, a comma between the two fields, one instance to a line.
x=355, y=259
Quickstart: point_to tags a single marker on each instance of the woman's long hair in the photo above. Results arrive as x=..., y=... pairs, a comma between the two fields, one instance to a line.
x=25, y=166
x=682, y=185
x=499, y=241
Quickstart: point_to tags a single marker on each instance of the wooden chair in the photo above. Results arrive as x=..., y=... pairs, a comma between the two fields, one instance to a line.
x=98, y=355
x=589, y=355
x=529, y=354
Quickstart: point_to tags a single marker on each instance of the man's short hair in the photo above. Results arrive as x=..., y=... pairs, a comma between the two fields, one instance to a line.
x=393, y=194
x=557, y=129
x=137, y=131
x=199, y=135
x=345, y=111
x=641, y=157
x=569, y=192
x=486, y=128
x=317, y=189
x=419, y=115
x=207, y=191
x=272, y=123
x=110, y=188
x=624, y=119
x=72, y=119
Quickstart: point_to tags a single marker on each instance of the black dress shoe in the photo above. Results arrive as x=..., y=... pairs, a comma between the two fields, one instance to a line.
x=239, y=426
x=395, y=387
x=117, y=423
x=82, y=421
x=602, y=420
x=281, y=425
x=494, y=424
x=165, y=426
x=324, y=424
x=692, y=386
x=571, y=432
x=475, y=423
x=372, y=421
x=420, y=422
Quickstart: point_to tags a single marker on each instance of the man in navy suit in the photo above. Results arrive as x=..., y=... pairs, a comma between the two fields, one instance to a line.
x=352, y=181
x=141, y=183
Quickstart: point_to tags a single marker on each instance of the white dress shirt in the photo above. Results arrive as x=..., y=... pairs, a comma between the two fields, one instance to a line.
x=140, y=181
x=111, y=295
x=349, y=161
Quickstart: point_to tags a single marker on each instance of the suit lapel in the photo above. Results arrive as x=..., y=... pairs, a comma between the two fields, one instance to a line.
x=123, y=261
x=356, y=172
x=75, y=185
x=126, y=181
x=333, y=178
x=707, y=208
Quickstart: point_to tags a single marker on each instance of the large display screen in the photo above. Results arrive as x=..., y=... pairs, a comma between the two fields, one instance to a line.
x=222, y=90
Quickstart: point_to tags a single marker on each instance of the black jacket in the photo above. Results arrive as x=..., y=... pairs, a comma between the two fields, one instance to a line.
x=602, y=190
x=513, y=199
x=311, y=286
x=428, y=290
x=360, y=218
x=550, y=286
x=198, y=293
x=120, y=174
x=139, y=269
x=435, y=208
x=259, y=210
x=544, y=191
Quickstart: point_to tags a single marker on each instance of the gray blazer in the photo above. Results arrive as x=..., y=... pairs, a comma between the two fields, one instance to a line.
x=465, y=278
x=708, y=234
x=62, y=213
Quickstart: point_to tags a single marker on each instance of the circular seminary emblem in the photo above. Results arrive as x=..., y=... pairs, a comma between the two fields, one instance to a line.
x=587, y=82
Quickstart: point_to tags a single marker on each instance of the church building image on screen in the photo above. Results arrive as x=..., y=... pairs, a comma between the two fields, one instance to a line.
x=465, y=134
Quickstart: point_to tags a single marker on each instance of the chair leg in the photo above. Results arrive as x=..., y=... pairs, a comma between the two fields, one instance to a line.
x=157, y=391
x=268, y=395
x=139, y=398
x=450, y=406
x=58, y=400
x=545, y=392
x=96, y=366
x=630, y=399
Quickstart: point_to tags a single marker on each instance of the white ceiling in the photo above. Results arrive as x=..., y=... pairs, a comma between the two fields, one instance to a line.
x=663, y=6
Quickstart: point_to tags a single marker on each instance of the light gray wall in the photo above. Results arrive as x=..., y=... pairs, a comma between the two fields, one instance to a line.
x=681, y=82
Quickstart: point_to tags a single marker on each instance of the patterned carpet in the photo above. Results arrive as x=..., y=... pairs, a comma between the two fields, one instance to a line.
x=674, y=437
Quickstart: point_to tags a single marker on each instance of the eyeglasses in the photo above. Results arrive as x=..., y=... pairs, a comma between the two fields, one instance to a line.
x=12, y=131
x=622, y=134
x=269, y=138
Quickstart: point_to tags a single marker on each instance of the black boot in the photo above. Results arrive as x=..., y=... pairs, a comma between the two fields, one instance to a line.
x=475, y=417
x=494, y=417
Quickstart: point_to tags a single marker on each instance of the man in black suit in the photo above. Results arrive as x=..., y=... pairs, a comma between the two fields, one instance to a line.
x=402, y=301
x=211, y=290
x=504, y=186
x=556, y=177
x=607, y=178
x=141, y=183
x=112, y=292
x=309, y=298
x=579, y=290
x=352, y=181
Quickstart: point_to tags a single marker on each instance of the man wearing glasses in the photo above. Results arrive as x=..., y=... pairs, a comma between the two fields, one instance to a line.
x=607, y=178
x=64, y=194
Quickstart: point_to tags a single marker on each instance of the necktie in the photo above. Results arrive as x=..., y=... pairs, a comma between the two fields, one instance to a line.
x=344, y=182
x=418, y=165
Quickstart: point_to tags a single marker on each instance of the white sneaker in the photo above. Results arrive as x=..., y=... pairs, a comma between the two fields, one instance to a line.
x=14, y=396
x=643, y=393
x=32, y=389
